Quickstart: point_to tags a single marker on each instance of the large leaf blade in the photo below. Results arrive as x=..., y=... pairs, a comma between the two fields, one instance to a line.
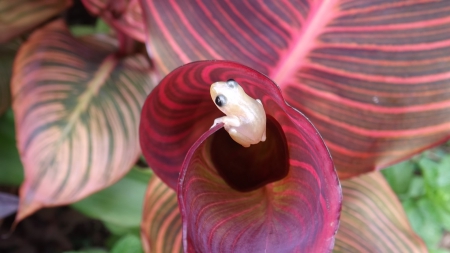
x=77, y=106
x=373, y=220
x=372, y=76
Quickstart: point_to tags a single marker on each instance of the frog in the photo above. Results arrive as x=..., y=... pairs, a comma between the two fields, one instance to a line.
x=245, y=119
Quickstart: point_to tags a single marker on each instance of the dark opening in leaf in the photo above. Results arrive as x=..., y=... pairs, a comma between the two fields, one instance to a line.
x=246, y=169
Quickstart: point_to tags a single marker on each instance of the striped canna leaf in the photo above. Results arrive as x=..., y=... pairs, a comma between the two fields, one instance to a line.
x=373, y=75
x=373, y=220
x=124, y=15
x=77, y=105
x=19, y=16
x=281, y=195
x=161, y=221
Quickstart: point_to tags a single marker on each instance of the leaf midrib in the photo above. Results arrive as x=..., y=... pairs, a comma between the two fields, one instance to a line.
x=318, y=17
x=98, y=80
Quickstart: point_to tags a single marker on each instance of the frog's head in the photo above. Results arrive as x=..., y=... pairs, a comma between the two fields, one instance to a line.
x=225, y=94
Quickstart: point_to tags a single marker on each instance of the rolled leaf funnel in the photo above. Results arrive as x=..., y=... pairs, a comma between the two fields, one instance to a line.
x=281, y=195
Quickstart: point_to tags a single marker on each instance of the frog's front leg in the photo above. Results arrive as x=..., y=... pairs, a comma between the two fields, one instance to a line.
x=228, y=121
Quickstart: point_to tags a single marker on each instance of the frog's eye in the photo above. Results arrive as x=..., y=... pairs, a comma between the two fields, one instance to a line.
x=221, y=100
x=231, y=83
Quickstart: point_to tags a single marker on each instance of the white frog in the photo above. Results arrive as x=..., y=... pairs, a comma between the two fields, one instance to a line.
x=246, y=118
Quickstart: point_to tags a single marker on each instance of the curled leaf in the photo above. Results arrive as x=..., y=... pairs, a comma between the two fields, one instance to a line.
x=281, y=195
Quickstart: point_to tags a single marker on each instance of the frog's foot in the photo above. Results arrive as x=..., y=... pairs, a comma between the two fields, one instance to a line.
x=263, y=138
x=228, y=121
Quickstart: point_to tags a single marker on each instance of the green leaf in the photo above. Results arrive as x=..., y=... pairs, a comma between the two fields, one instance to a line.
x=7, y=53
x=416, y=187
x=431, y=229
x=88, y=251
x=399, y=176
x=81, y=30
x=443, y=179
x=129, y=244
x=120, y=205
x=11, y=169
x=429, y=169
x=101, y=26
x=413, y=213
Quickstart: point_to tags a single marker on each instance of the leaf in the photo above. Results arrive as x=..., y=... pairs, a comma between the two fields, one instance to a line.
x=119, y=205
x=399, y=176
x=8, y=204
x=431, y=228
x=77, y=107
x=371, y=75
x=372, y=219
x=281, y=195
x=19, y=16
x=88, y=251
x=161, y=222
x=123, y=15
x=129, y=243
x=11, y=169
x=7, y=53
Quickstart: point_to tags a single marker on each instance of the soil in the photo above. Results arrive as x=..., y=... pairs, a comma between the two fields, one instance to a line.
x=51, y=230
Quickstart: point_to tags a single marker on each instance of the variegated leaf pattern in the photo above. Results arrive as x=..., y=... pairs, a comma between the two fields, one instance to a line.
x=373, y=76
x=19, y=16
x=161, y=221
x=373, y=220
x=77, y=108
x=124, y=15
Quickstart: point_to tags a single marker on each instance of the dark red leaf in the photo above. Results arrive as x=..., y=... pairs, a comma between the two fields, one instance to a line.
x=281, y=195
x=372, y=75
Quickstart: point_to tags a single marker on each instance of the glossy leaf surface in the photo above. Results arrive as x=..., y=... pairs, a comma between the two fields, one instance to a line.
x=373, y=220
x=161, y=221
x=19, y=16
x=77, y=108
x=124, y=15
x=371, y=75
x=281, y=195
